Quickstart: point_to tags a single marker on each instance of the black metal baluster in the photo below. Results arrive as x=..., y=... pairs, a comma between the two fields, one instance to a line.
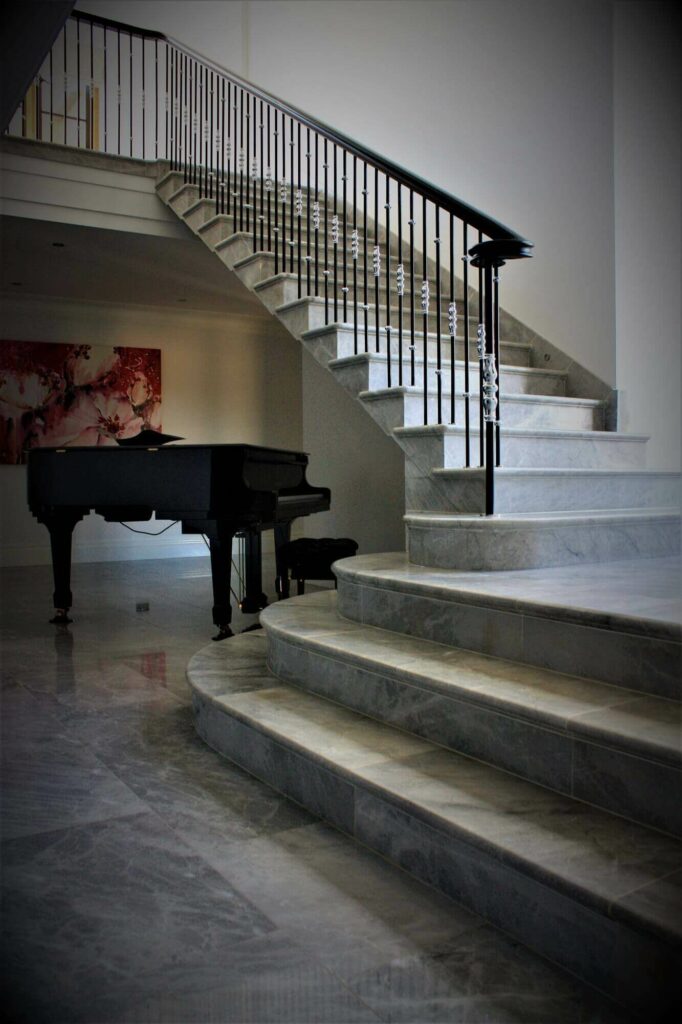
x=345, y=240
x=223, y=136
x=400, y=283
x=193, y=86
x=307, y=229
x=276, y=230
x=481, y=352
x=167, y=146
x=389, y=346
x=106, y=91
x=130, y=89
x=412, y=311
x=354, y=254
x=156, y=99
x=247, y=158
x=284, y=196
x=488, y=385
x=452, y=320
x=299, y=205
x=91, y=112
x=269, y=182
x=66, y=87
x=316, y=214
x=335, y=239
x=364, y=250
x=144, y=103
x=326, y=235
x=467, y=388
x=51, y=99
x=241, y=159
x=439, y=352
x=186, y=131
x=261, y=217
x=496, y=340
x=78, y=83
x=229, y=145
x=292, y=204
x=376, y=262
x=425, y=312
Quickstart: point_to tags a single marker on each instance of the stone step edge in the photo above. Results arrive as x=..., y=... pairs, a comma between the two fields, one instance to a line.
x=554, y=721
x=288, y=275
x=413, y=390
x=361, y=358
x=453, y=430
x=431, y=585
x=320, y=300
x=611, y=909
x=535, y=472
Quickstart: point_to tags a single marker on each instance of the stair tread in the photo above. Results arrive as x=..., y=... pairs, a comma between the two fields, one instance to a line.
x=611, y=714
x=511, y=518
x=535, y=471
x=409, y=389
x=620, y=869
x=455, y=429
x=640, y=598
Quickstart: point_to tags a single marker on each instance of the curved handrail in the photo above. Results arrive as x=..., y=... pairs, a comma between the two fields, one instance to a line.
x=476, y=218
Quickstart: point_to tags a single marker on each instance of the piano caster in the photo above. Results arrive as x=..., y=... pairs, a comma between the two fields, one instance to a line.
x=61, y=617
x=224, y=633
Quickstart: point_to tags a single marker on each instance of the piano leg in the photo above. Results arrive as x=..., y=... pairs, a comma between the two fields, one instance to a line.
x=254, y=598
x=61, y=526
x=282, y=537
x=220, y=544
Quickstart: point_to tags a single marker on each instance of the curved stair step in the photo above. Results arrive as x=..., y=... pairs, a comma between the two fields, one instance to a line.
x=602, y=744
x=588, y=890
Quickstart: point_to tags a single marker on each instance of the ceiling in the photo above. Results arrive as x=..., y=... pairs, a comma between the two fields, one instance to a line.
x=96, y=265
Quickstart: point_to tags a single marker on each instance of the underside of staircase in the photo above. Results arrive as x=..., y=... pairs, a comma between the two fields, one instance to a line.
x=516, y=751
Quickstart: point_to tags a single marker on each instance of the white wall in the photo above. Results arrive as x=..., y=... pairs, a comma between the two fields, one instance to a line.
x=223, y=379
x=647, y=91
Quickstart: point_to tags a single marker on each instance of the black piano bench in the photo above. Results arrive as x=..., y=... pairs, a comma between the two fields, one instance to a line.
x=310, y=559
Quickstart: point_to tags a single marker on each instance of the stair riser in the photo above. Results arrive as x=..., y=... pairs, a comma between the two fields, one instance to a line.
x=401, y=410
x=616, y=780
x=646, y=664
x=236, y=247
x=563, y=930
x=555, y=494
x=371, y=374
x=186, y=196
x=603, y=451
x=496, y=548
x=198, y=215
x=341, y=345
x=169, y=185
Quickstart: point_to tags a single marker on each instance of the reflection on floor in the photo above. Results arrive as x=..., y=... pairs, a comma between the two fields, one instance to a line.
x=145, y=880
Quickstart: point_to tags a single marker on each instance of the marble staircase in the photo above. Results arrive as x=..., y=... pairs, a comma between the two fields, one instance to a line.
x=493, y=711
x=558, y=419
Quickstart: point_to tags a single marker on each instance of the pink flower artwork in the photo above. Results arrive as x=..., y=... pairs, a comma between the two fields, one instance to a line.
x=59, y=395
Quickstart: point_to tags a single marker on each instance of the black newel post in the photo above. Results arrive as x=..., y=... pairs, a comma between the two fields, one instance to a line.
x=490, y=256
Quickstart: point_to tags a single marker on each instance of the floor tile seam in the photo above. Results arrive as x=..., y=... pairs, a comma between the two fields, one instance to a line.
x=442, y=828
x=559, y=725
x=611, y=622
x=76, y=826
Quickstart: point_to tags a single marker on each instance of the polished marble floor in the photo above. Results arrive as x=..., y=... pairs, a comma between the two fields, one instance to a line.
x=146, y=880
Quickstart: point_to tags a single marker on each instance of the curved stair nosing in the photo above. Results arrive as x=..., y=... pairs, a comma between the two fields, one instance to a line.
x=385, y=802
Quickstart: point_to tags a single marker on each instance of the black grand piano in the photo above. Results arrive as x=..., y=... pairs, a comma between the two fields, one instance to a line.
x=219, y=490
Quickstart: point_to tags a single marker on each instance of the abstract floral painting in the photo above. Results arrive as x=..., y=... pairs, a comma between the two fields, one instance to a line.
x=75, y=395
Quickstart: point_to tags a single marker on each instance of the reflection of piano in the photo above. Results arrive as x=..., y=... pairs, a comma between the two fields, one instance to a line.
x=215, y=489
